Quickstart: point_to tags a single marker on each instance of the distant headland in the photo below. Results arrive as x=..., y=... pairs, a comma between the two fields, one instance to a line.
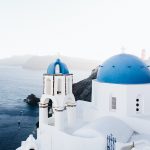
x=41, y=62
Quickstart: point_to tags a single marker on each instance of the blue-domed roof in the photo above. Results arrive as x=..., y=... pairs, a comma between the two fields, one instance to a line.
x=124, y=69
x=62, y=68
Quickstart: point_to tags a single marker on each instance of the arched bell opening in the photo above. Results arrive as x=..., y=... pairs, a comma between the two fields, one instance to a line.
x=59, y=86
x=50, y=109
x=48, y=87
x=46, y=112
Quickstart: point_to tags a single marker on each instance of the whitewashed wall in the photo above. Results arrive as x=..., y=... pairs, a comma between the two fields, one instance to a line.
x=126, y=98
x=102, y=93
x=141, y=91
x=53, y=139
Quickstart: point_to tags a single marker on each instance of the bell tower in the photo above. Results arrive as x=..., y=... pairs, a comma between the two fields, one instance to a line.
x=58, y=87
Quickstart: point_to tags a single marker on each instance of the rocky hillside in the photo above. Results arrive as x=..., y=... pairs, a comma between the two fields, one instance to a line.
x=82, y=90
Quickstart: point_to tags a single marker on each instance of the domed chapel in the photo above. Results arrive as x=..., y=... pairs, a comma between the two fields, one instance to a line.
x=117, y=118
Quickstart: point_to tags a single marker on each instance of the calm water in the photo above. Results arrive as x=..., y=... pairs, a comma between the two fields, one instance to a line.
x=15, y=84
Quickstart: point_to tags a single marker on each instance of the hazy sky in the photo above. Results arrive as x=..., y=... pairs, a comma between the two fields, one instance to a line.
x=83, y=28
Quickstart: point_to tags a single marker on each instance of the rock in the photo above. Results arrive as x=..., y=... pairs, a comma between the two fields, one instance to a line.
x=32, y=100
x=82, y=90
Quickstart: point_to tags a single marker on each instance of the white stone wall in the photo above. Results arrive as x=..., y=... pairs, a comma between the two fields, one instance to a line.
x=53, y=139
x=101, y=96
x=141, y=92
x=126, y=96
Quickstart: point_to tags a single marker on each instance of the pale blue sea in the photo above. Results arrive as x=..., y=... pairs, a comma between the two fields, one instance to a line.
x=15, y=85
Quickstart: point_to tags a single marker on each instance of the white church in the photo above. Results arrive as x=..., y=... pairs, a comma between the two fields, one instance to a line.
x=117, y=118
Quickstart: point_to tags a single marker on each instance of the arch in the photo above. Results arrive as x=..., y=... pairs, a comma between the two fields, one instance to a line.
x=63, y=69
x=44, y=110
x=57, y=69
x=69, y=86
x=50, y=110
x=59, y=86
x=45, y=100
x=48, y=86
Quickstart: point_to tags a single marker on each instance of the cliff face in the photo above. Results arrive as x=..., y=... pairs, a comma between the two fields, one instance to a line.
x=82, y=90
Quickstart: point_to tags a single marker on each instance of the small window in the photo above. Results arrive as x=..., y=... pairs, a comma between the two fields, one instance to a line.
x=138, y=105
x=113, y=103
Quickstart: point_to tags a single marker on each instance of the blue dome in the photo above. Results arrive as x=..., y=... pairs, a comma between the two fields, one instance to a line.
x=124, y=69
x=62, y=68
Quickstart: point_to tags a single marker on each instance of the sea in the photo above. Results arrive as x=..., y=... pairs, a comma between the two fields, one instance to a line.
x=16, y=84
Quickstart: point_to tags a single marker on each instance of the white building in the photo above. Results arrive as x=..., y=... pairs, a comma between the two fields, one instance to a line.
x=120, y=106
